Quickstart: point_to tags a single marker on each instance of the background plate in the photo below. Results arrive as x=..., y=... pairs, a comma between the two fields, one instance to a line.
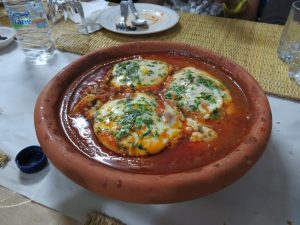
x=159, y=19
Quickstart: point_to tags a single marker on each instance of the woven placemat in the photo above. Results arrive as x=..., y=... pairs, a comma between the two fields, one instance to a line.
x=98, y=218
x=3, y=16
x=252, y=45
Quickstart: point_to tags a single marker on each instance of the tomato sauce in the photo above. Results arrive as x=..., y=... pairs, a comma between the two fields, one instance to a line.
x=184, y=155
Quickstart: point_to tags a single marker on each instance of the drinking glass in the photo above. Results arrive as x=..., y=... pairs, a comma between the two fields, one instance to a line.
x=294, y=68
x=289, y=43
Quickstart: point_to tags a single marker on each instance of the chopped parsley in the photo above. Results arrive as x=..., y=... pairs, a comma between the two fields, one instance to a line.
x=193, y=107
x=121, y=133
x=149, y=73
x=168, y=95
x=176, y=91
x=138, y=146
x=156, y=134
x=146, y=133
x=99, y=119
x=215, y=115
x=206, y=82
x=128, y=71
x=190, y=77
x=208, y=97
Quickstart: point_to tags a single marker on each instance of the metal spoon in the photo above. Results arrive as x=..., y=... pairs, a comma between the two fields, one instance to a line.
x=138, y=21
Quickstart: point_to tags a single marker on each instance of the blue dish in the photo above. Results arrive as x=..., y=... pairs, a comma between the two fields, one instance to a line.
x=31, y=159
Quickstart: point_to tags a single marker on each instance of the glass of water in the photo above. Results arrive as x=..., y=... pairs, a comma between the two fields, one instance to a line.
x=289, y=44
x=294, y=67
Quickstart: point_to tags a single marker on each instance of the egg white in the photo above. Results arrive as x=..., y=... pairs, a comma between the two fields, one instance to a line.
x=139, y=73
x=194, y=90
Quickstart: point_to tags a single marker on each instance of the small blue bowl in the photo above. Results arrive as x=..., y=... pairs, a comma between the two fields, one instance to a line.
x=31, y=159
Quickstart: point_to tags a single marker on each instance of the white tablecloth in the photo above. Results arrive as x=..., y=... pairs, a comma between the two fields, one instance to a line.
x=269, y=194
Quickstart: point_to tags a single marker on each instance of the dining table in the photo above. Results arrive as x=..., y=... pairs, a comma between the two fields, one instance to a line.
x=268, y=194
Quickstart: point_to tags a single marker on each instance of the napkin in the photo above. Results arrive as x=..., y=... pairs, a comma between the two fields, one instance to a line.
x=92, y=12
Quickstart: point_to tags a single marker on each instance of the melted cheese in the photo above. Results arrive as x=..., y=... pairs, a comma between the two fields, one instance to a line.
x=134, y=126
x=139, y=73
x=194, y=90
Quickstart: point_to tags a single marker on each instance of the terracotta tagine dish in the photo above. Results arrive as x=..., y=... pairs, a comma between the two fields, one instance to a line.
x=153, y=122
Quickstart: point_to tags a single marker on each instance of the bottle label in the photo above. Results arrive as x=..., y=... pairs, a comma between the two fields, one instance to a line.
x=33, y=14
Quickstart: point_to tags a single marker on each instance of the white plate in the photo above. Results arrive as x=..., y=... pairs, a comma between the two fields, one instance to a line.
x=159, y=19
x=9, y=33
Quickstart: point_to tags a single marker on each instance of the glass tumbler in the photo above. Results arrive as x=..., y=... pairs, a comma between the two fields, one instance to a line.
x=29, y=19
x=290, y=39
x=294, y=68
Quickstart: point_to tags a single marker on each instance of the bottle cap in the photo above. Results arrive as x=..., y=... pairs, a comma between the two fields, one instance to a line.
x=31, y=159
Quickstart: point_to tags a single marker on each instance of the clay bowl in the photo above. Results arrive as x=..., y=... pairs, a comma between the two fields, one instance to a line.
x=130, y=186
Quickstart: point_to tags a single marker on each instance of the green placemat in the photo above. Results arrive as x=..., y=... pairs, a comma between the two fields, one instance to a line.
x=252, y=45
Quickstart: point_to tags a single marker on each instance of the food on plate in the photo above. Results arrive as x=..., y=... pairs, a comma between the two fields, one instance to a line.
x=173, y=110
